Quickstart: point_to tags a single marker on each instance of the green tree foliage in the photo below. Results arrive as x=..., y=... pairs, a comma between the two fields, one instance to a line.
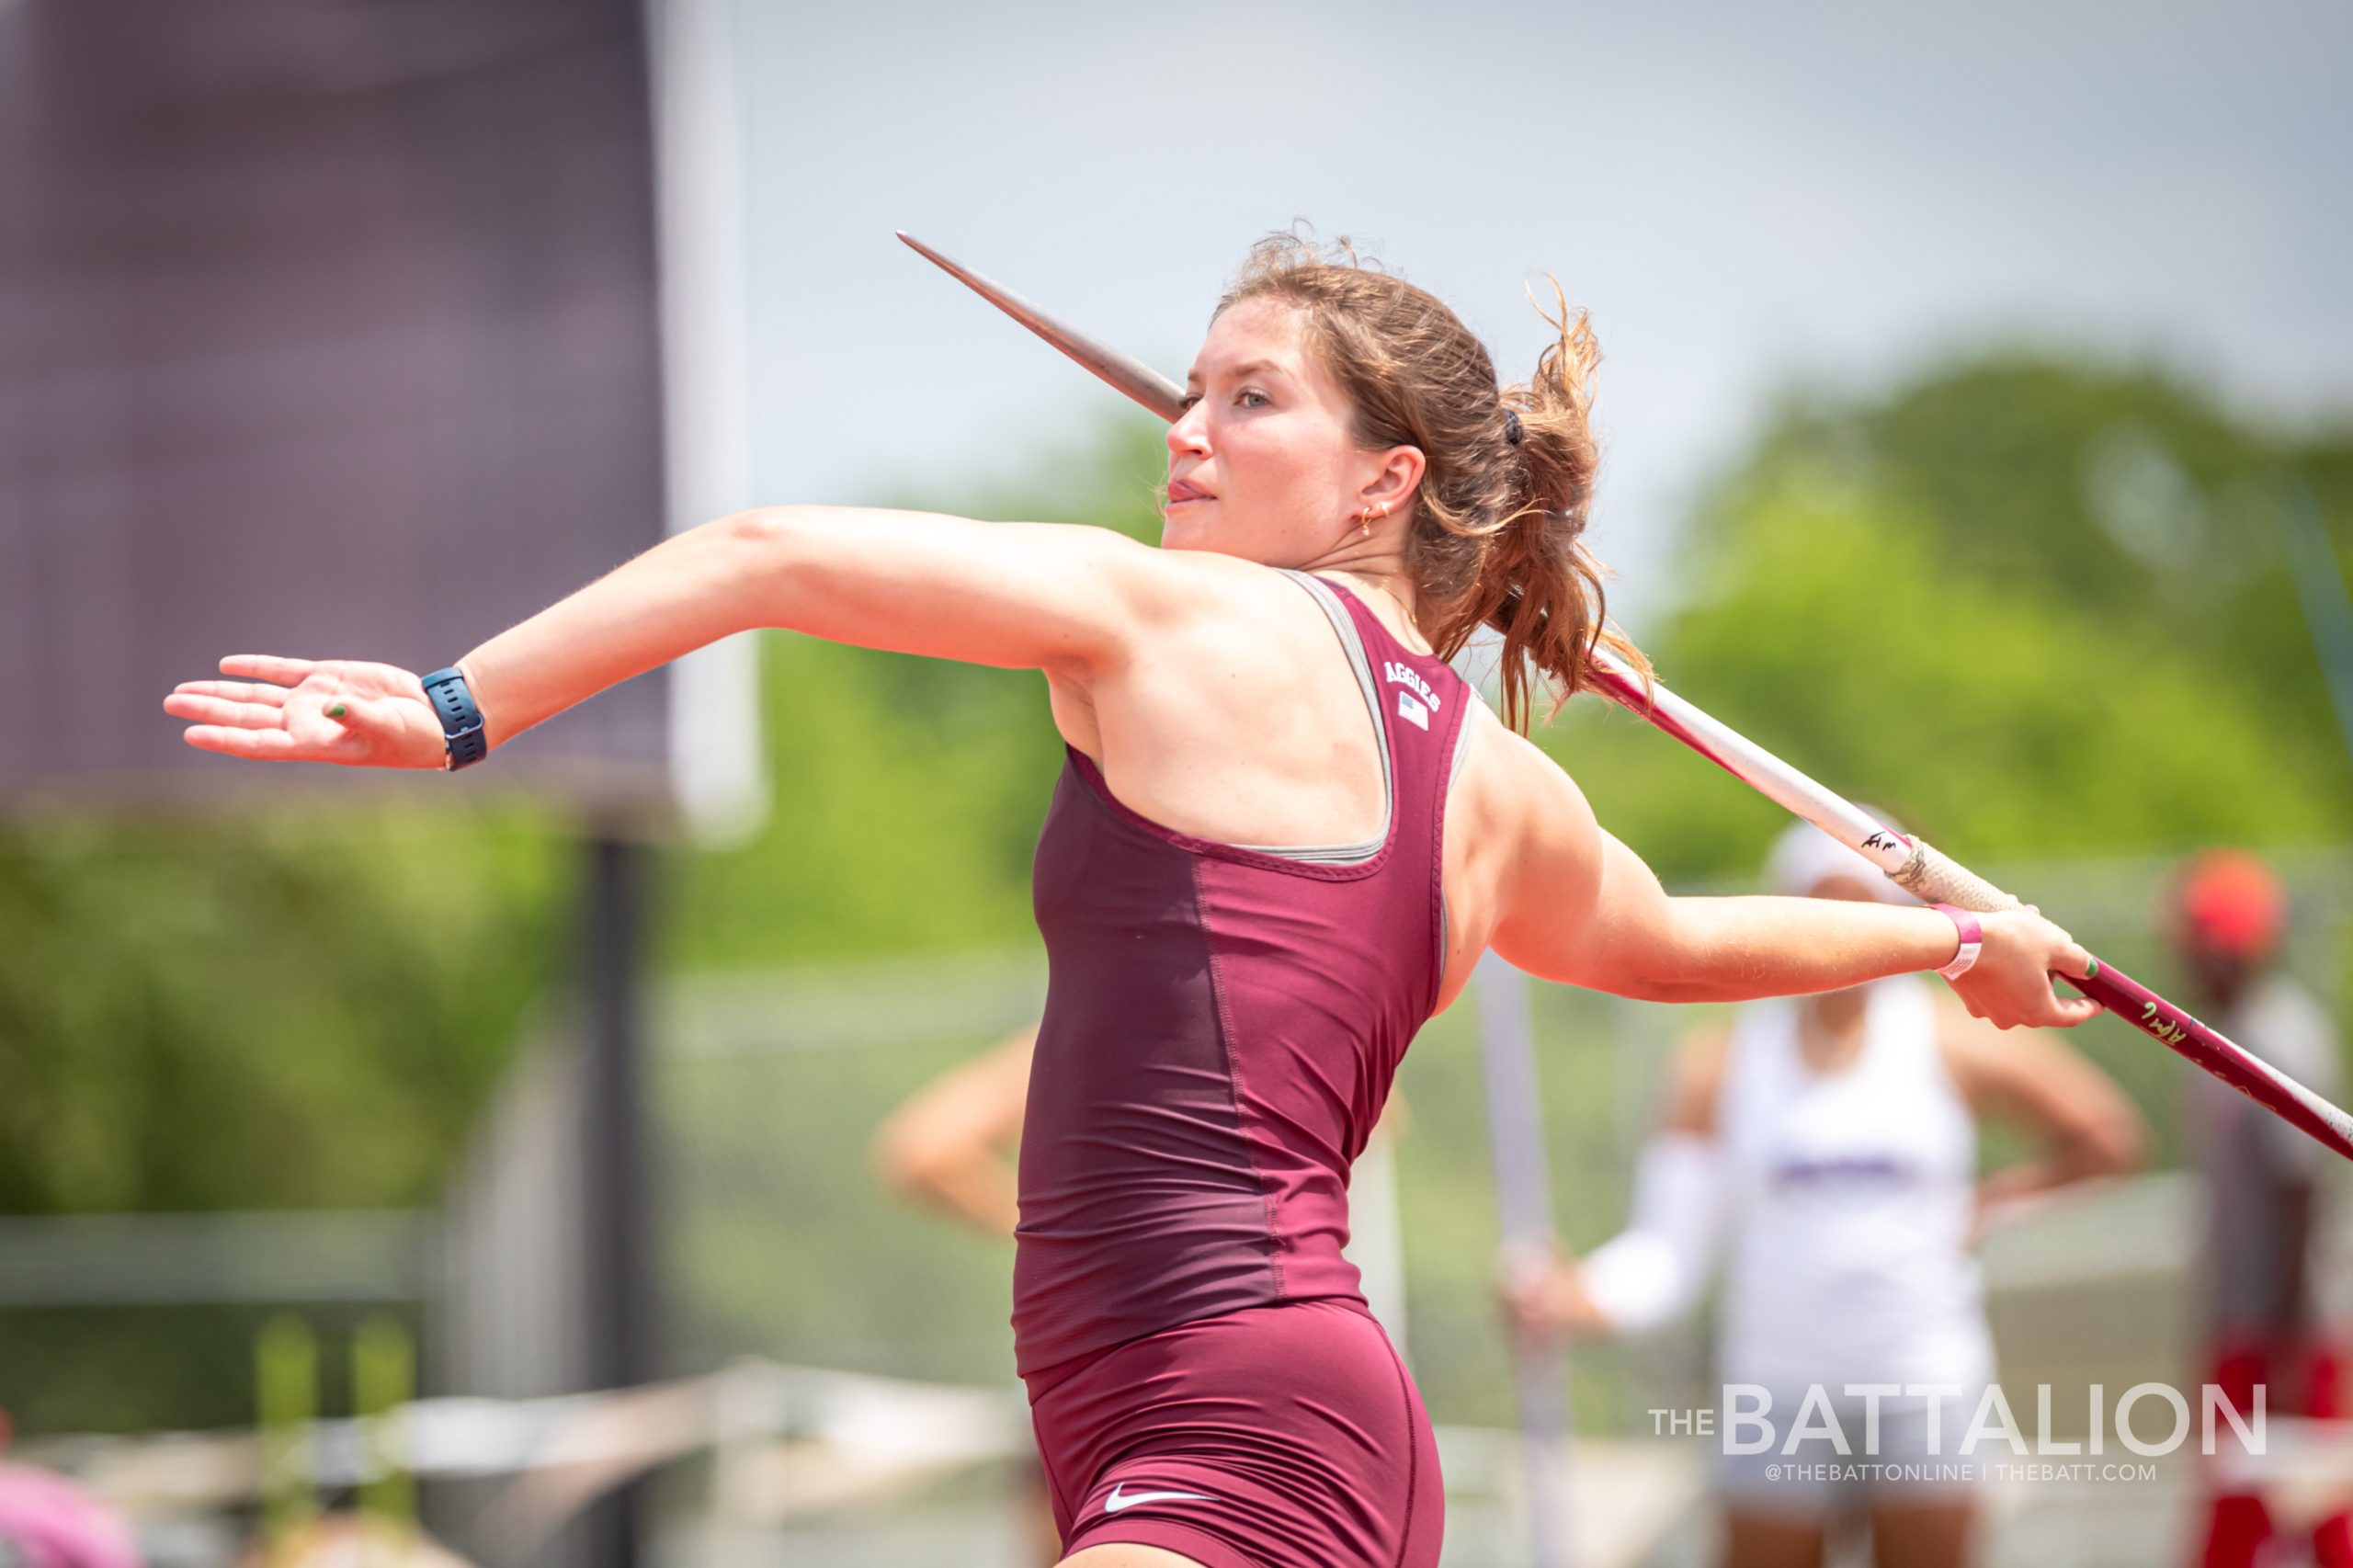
x=305, y=1015
x=2033, y=609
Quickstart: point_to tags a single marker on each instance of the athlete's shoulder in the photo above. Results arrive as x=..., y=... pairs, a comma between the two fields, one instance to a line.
x=1177, y=585
x=1549, y=849
x=1536, y=799
x=1207, y=588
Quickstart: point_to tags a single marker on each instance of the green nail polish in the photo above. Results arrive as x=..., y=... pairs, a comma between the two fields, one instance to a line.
x=336, y=711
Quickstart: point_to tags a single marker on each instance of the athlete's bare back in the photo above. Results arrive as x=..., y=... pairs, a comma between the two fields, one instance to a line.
x=1247, y=727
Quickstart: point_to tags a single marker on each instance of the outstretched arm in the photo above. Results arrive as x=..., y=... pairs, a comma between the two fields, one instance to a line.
x=1064, y=599
x=1582, y=908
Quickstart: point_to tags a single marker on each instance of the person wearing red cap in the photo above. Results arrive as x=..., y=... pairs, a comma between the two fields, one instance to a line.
x=2265, y=1186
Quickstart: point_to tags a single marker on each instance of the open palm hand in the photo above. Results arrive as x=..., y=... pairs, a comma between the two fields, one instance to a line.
x=338, y=711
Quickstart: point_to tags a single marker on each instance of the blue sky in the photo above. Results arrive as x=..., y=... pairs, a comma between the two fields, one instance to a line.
x=1743, y=196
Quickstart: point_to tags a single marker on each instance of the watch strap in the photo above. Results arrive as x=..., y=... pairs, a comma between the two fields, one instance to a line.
x=461, y=729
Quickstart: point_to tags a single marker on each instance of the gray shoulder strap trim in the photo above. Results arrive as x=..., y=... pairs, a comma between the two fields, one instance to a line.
x=1345, y=629
x=1453, y=770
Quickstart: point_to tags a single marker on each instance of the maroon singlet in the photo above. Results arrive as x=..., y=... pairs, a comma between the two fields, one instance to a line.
x=1221, y=1027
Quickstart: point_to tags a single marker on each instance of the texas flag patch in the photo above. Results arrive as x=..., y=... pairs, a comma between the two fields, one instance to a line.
x=1408, y=709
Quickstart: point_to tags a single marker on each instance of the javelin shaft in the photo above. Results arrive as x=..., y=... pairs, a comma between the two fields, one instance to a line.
x=1912, y=864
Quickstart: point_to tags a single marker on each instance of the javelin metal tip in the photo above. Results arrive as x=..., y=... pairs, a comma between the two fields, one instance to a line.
x=1131, y=379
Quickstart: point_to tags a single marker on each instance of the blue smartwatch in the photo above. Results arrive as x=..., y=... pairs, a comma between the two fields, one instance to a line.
x=461, y=720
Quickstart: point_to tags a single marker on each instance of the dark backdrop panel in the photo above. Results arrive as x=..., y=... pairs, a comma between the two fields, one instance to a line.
x=325, y=329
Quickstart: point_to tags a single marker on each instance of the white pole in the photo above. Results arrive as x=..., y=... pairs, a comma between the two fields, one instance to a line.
x=1524, y=1203
x=718, y=769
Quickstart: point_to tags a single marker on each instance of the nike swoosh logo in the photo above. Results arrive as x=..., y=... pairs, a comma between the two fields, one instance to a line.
x=1115, y=1501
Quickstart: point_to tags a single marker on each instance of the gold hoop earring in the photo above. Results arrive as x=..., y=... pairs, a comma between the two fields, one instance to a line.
x=1364, y=523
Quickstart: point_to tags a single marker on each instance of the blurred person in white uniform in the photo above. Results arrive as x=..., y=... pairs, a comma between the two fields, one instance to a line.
x=1827, y=1146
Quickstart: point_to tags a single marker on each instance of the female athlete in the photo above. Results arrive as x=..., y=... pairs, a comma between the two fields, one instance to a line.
x=1284, y=833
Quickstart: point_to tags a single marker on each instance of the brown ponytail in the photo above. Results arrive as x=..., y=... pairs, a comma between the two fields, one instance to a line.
x=1497, y=535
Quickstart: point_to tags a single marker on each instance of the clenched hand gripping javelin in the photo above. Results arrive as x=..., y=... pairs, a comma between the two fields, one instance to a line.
x=1910, y=863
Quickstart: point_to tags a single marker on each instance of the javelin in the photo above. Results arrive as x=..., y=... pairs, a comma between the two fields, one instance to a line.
x=1912, y=864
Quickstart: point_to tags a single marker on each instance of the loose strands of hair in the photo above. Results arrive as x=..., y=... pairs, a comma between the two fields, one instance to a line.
x=1496, y=535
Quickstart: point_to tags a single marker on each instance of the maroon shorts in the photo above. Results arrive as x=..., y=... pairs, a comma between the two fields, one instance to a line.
x=1278, y=1437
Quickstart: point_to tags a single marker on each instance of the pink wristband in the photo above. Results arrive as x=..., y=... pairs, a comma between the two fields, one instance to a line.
x=1972, y=940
